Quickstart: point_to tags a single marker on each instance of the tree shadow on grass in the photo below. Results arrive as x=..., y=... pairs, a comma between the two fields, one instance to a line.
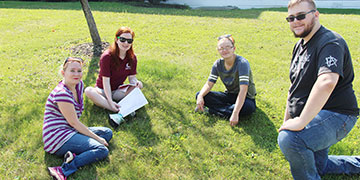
x=132, y=8
x=141, y=125
x=174, y=118
x=16, y=118
x=136, y=9
x=92, y=71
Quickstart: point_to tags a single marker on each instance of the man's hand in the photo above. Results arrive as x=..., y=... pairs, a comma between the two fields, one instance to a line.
x=294, y=124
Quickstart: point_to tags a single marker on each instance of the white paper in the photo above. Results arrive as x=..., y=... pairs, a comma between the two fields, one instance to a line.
x=132, y=102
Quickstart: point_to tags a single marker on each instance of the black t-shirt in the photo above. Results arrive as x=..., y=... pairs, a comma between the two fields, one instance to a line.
x=326, y=52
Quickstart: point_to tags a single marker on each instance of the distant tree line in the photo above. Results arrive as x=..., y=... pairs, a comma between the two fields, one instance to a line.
x=150, y=1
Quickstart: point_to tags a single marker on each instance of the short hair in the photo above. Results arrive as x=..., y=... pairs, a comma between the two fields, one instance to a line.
x=295, y=2
x=228, y=37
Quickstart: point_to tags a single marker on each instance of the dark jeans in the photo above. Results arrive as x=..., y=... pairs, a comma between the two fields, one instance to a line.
x=222, y=104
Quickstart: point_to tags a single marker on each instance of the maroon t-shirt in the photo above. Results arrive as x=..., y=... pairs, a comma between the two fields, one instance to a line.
x=118, y=74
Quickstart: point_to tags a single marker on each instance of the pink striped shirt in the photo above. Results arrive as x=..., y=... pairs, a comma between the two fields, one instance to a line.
x=56, y=130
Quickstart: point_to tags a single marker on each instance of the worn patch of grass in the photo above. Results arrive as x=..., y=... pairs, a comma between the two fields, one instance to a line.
x=175, y=49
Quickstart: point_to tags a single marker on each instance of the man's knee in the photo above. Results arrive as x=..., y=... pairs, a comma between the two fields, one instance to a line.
x=286, y=140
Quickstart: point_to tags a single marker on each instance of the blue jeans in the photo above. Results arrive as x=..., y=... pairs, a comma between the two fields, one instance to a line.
x=87, y=150
x=307, y=150
x=222, y=104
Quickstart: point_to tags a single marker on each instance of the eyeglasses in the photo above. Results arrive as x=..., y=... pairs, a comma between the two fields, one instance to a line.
x=225, y=48
x=122, y=39
x=73, y=59
x=298, y=17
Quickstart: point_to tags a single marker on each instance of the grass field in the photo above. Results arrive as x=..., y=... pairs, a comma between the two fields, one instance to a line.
x=175, y=50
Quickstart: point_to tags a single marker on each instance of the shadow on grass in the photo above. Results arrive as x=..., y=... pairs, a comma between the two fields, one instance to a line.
x=17, y=119
x=135, y=8
x=261, y=129
x=140, y=126
x=132, y=8
x=340, y=177
x=258, y=126
x=93, y=69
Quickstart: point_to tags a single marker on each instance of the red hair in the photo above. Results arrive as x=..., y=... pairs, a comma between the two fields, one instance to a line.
x=114, y=48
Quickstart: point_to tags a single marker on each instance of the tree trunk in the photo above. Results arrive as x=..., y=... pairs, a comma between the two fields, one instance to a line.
x=92, y=27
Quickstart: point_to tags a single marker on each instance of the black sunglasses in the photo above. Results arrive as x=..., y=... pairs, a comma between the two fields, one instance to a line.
x=298, y=17
x=122, y=39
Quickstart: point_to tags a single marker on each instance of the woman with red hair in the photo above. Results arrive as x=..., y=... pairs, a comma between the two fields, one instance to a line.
x=116, y=64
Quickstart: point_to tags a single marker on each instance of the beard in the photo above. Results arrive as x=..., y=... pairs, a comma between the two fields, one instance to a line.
x=306, y=31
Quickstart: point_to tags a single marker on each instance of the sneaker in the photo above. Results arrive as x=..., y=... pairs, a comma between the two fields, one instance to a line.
x=69, y=156
x=115, y=120
x=56, y=173
x=133, y=114
x=196, y=109
x=206, y=109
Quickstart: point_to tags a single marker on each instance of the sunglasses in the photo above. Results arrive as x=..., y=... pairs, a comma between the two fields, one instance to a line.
x=298, y=17
x=73, y=59
x=122, y=39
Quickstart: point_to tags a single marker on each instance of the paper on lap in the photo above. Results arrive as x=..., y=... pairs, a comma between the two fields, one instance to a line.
x=132, y=102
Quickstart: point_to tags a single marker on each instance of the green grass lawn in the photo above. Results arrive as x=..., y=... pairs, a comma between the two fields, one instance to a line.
x=175, y=50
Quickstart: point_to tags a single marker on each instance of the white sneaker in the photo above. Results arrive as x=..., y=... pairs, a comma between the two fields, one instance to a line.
x=69, y=156
x=116, y=119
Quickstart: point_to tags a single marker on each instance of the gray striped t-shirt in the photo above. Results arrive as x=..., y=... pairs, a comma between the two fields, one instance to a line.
x=238, y=75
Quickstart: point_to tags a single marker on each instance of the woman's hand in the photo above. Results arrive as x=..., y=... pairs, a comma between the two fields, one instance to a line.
x=103, y=141
x=234, y=120
x=139, y=84
x=200, y=103
x=114, y=106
